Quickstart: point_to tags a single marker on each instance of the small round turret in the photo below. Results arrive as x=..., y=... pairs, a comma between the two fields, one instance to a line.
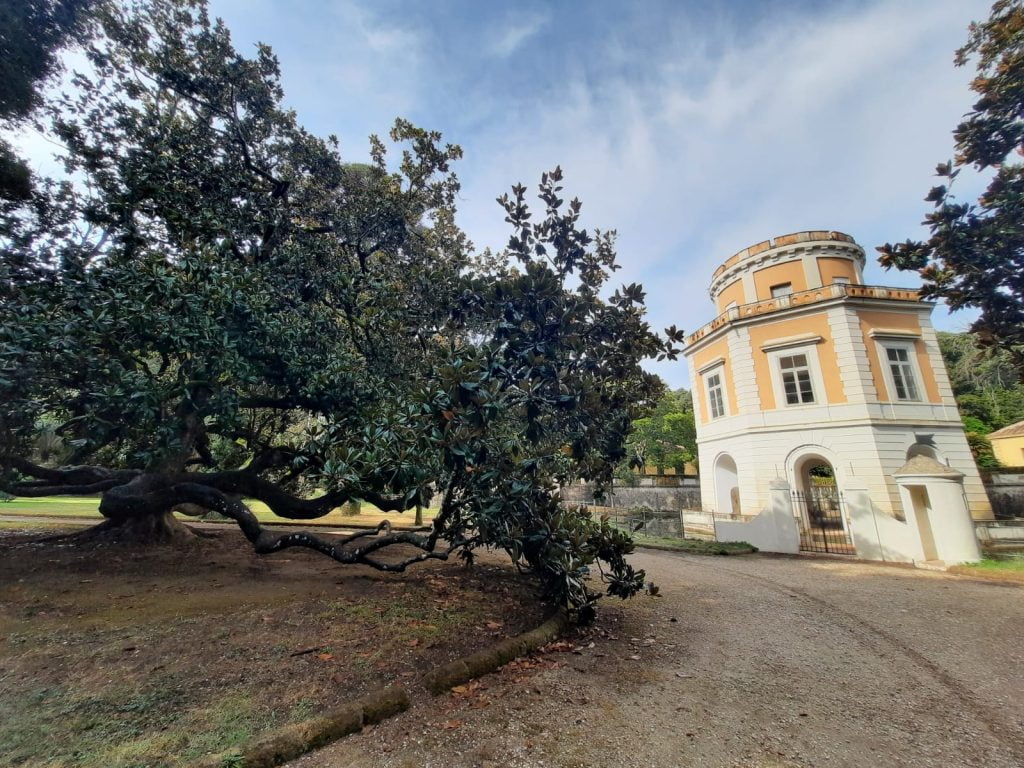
x=787, y=264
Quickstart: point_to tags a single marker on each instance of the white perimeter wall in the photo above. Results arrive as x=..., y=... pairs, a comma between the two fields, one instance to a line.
x=863, y=454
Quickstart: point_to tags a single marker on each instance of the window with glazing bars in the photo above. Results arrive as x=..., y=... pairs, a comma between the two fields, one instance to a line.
x=715, y=400
x=796, y=379
x=902, y=373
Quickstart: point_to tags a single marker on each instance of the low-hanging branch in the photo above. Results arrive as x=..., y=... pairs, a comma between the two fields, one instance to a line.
x=123, y=500
x=65, y=477
x=131, y=493
x=36, y=490
x=78, y=480
x=284, y=504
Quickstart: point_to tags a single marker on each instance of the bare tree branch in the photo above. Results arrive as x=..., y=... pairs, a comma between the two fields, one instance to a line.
x=283, y=504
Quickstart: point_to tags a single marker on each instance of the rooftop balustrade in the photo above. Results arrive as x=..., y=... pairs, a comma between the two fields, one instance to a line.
x=803, y=298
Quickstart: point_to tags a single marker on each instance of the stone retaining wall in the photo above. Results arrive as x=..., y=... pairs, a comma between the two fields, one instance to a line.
x=1006, y=492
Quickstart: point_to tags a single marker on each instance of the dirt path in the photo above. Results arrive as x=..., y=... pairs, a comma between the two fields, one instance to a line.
x=750, y=661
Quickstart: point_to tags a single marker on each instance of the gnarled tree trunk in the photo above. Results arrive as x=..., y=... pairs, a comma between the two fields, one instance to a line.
x=138, y=507
x=144, y=529
x=134, y=516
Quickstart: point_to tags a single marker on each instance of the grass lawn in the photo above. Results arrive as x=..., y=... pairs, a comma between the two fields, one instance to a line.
x=53, y=506
x=35, y=525
x=999, y=569
x=696, y=546
x=1000, y=564
x=88, y=507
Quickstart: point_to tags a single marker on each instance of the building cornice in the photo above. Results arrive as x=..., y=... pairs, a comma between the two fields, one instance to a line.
x=815, y=300
x=785, y=342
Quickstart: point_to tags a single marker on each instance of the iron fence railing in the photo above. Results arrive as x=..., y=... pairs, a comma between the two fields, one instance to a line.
x=659, y=523
x=821, y=512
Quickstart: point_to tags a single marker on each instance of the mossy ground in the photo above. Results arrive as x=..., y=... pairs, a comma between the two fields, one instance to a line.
x=117, y=658
x=696, y=546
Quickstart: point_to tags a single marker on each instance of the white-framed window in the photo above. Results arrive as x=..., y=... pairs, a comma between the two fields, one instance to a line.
x=715, y=388
x=902, y=377
x=796, y=373
x=782, y=289
x=841, y=280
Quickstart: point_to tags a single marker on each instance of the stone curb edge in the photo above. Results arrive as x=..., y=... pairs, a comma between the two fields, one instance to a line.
x=283, y=744
x=289, y=742
x=664, y=548
x=482, y=662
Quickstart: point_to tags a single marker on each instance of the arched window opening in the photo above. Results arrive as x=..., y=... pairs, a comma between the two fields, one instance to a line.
x=727, y=486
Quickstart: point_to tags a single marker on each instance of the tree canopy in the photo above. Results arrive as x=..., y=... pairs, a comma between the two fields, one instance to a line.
x=215, y=307
x=667, y=438
x=974, y=256
x=989, y=388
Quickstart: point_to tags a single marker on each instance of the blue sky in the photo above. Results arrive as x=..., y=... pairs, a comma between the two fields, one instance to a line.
x=693, y=128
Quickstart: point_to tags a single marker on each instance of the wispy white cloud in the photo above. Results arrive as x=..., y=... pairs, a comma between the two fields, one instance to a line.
x=834, y=122
x=511, y=35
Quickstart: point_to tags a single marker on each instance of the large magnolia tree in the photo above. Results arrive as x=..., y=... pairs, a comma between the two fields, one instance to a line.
x=216, y=308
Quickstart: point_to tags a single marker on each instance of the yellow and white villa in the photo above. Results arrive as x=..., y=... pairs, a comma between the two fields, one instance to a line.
x=825, y=418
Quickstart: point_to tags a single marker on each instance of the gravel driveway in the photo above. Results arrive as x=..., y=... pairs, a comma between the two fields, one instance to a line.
x=746, y=661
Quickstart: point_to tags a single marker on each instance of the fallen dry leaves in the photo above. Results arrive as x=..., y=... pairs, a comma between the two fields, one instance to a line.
x=559, y=646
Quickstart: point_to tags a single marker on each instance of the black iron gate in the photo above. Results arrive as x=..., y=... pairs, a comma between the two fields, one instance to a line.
x=820, y=513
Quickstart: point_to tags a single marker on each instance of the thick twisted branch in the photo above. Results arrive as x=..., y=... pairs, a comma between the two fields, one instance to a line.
x=35, y=490
x=71, y=481
x=124, y=500
x=284, y=504
x=81, y=480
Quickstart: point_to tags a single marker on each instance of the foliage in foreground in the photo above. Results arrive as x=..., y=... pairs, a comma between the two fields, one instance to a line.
x=974, y=256
x=219, y=308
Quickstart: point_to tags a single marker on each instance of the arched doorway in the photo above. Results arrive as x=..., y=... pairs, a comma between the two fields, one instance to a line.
x=727, y=486
x=818, y=502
